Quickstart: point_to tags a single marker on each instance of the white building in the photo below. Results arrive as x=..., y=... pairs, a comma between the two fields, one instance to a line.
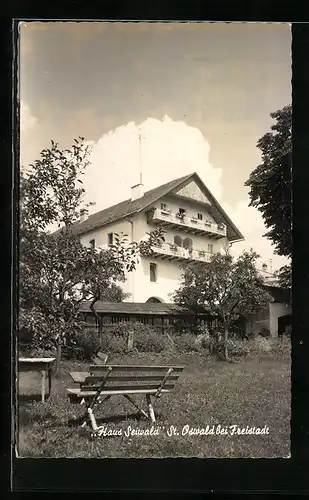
x=195, y=226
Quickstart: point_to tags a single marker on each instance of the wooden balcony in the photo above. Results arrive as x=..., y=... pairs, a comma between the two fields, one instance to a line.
x=168, y=251
x=186, y=223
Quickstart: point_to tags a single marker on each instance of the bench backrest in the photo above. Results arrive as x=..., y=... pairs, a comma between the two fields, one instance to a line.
x=128, y=377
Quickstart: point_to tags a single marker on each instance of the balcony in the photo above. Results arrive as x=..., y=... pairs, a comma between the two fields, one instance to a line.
x=169, y=251
x=186, y=223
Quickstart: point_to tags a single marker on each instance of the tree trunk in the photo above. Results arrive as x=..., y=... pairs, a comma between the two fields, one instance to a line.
x=58, y=356
x=225, y=339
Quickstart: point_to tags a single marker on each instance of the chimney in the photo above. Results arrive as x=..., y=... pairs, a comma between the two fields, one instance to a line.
x=137, y=191
x=83, y=215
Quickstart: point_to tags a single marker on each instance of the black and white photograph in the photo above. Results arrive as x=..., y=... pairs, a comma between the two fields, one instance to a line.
x=154, y=308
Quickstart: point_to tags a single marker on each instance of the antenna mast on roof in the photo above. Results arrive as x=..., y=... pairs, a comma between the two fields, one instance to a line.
x=140, y=156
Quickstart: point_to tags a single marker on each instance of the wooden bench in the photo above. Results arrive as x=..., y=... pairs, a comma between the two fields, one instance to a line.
x=106, y=381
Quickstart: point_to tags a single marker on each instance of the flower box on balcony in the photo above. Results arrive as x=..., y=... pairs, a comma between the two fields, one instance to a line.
x=207, y=223
x=165, y=212
x=174, y=248
x=181, y=217
x=194, y=219
x=202, y=253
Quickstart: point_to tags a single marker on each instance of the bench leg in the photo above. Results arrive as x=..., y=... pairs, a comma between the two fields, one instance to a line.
x=92, y=420
x=90, y=413
x=43, y=385
x=150, y=408
x=49, y=381
x=135, y=405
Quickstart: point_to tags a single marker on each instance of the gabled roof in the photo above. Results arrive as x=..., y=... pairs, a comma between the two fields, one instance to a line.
x=128, y=207
x=125, y=208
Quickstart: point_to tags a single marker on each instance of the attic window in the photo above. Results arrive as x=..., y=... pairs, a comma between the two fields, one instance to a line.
x=181, y=211
x=200, y=216
x=92, y=243
x=163, y=206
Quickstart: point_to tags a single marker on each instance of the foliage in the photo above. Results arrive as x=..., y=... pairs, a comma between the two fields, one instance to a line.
x=270, y=183
x=271, y=187
x=85, y=346
x=224, y=288
x=154, y=238
x=57, y=272
x=150, y=342
x=145, y=337
x=186, y=343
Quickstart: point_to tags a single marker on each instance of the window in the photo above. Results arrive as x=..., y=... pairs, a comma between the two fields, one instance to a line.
x=200, y=216
x=110, y=238
x=210, y=248
x=92, y=243
x=163, y=206
x=153, y=272
x=182, y=211
x=178, y=240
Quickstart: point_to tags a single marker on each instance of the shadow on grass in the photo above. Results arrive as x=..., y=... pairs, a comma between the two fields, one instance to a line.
x=29, y=398
x=113, y=419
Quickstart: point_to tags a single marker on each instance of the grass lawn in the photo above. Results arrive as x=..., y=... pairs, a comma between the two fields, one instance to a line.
x=250, y=392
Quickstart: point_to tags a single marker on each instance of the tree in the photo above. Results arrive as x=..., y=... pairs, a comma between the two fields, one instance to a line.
x=270, y=186
x=224, y=288
x=56, y=271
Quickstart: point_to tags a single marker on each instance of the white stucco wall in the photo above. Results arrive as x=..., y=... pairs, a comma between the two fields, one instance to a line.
x=138, y=283
x=277, y=309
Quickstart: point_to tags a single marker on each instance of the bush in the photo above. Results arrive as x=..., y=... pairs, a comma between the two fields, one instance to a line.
x=264, y=333
x=235, y=348
x=186, y=343
x=150, y=342
x=85, y=345
x=113, y=344
x=146, y=338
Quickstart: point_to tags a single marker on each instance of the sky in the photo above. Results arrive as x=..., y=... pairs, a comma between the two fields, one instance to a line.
x=198, y=94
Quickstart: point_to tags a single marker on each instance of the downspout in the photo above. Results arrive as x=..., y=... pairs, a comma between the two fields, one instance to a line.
x=132, y=239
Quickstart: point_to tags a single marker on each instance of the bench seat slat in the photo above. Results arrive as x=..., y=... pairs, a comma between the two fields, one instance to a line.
x=84, y=394
x=134, y=368
x=79, y=377
x=92, y=379
x=107, y=387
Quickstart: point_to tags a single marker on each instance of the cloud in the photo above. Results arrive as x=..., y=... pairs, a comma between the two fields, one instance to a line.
x=250, y=223
x=29, y=128
x=27, y=121
x=169, y=149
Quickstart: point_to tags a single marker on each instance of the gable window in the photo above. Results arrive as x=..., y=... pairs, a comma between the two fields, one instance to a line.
x=153, y=272
x=92, y=243
x=178, y=240
x=210, y=248
x=200, y=216
x=110, y=238
x=163, y=206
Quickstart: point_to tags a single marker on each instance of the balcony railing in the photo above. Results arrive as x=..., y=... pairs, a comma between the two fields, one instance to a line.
x=192, y=224
x=169, y=251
